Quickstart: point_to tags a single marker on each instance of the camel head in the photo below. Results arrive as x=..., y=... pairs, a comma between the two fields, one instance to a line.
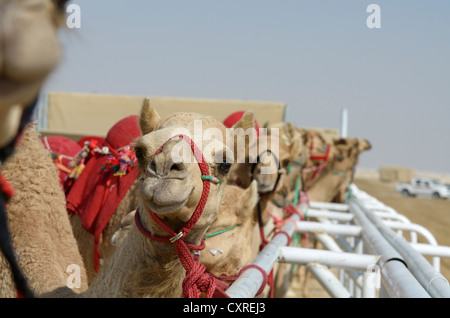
x=174, y=179
x=29, y=51
x=320, y=156
x=293, y=158
x=347, y=154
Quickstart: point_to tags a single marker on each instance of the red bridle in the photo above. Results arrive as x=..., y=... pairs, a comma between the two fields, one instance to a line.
x=196, y=280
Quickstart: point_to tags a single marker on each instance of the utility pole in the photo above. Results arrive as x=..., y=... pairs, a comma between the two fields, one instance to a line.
x=344, y=124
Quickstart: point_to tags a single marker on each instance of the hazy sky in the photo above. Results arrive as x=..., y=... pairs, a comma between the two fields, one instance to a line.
x=316, y=56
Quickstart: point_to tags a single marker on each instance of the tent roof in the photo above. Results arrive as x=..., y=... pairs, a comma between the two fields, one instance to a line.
x=82, y=114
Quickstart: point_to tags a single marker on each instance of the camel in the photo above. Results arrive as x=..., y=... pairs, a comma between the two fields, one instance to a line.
x=172, y=201
x=39, y=225
x=330, y=184
x=320, y=155
x=29, y=51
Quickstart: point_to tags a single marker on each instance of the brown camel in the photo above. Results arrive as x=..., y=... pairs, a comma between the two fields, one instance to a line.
x=39, y=224
x=172, y=201
x=334, y=181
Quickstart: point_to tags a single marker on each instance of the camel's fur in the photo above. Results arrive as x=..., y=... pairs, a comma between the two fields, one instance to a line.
x=240, y=245
x=106, y=247
x=38, y=221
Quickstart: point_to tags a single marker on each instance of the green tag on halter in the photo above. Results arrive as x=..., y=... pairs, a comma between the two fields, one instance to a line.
x=211, y=178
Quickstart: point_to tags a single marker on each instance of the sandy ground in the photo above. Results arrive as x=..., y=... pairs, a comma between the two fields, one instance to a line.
x=433, y=214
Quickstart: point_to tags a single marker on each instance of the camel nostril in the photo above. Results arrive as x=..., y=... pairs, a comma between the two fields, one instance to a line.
x=177, y=167
x=152, y=167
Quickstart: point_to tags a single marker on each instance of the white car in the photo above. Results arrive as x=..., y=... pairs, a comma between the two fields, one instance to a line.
x=424, y=187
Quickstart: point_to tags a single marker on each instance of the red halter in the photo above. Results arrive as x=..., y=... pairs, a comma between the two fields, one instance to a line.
x=196, y=280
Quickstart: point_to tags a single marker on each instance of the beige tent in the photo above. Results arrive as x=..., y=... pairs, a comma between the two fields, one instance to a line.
x=396, y=174
x=76, y=115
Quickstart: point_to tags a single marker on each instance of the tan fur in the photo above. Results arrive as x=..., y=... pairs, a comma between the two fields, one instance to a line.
x=240, y=245
x=106, y=248
x=38, y=221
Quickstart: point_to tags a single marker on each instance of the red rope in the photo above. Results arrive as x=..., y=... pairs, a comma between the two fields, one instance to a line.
x=197, y=280
x=6, y=188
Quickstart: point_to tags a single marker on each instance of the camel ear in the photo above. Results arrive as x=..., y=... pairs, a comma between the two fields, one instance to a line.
x=295, y=147
x=289, y=129
x=340, y=141
x=250, y=197
x=149, y=118
x=247, y=121
x=363, y=144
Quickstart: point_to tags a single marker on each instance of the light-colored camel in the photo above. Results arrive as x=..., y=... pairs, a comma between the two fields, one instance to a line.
x=29, y=51
x=39, y=225
x=354, y=147
x=292, y=145
x=171, y=191
x=320, y=155
x=330, y=184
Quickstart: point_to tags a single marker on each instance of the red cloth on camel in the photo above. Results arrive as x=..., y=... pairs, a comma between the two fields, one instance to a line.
x=63, y=149
x=235, y=117
x=96, y=193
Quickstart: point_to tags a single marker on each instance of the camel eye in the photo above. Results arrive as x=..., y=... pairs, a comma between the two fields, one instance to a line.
x=224, y=167
x=60, y=4
x=139, y=155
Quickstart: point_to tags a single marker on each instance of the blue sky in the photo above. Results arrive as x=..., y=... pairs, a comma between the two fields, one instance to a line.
x=316, y=56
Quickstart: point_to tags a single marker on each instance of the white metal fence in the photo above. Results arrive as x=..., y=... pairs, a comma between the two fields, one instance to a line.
x=364, y=241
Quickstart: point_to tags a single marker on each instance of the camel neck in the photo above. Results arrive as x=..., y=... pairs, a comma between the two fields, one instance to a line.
x=326, y=187
x=140, y=268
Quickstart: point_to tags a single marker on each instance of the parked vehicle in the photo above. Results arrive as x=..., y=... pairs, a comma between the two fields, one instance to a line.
x=424, y=187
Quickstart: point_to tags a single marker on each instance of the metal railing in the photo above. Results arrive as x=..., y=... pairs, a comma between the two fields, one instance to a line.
x=363, y=239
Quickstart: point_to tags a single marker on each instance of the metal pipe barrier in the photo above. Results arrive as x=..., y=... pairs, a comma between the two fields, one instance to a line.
x=396, y=277
x=360, y=242
x=431, y=280
x=250, y=281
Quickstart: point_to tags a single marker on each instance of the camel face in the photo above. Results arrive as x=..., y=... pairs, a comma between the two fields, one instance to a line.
x=290, y=161
x=348, y=151
x=29, y=51
x=173, y=182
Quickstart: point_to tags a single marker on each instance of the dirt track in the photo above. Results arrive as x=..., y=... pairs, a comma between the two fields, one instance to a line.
x=433, y=214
